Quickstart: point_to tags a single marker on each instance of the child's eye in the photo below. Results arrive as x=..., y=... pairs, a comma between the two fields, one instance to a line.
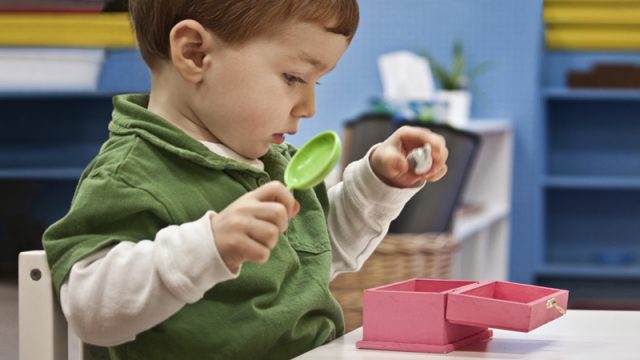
x=293, y=80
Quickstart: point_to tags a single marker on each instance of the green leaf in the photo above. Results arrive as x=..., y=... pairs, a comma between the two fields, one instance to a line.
x=458, y=77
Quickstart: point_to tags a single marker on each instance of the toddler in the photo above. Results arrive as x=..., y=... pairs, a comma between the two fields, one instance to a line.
x=181, y=241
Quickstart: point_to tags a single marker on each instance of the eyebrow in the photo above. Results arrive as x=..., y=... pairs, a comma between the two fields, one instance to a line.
x=319, y=65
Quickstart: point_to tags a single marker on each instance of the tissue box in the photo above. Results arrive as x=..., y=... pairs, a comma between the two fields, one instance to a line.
x=439, y=316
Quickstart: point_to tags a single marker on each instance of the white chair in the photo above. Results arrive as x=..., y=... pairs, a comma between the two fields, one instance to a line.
x=43, y=329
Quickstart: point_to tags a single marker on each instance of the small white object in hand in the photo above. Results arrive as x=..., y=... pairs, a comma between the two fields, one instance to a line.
x=420, y=159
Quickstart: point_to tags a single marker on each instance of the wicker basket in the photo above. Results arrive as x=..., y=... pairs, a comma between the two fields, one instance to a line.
x=398, y=257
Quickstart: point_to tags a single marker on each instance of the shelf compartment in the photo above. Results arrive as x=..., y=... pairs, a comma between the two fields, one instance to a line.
x=60, y=95
x=26, y=209
x=557, y=64
x=591, y=94
x=60, y=173
x=596, y=138
x=598, y=228
x=615, y=294
x=64, y=161
x=123, y=71
x=593, y=182
x=35, y=144
x=590, y=271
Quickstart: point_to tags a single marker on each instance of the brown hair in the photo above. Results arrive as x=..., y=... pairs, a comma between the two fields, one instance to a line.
x=234, y=21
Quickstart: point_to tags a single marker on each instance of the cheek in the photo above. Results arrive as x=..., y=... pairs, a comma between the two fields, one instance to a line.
x=260, y=105
x=255, y=103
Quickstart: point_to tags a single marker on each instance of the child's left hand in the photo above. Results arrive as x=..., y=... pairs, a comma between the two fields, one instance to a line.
x=389, y=159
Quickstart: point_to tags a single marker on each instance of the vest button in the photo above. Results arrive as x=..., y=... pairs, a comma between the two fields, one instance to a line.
x=262, y=181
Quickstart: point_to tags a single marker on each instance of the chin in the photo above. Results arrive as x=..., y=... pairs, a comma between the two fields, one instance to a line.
x=257, y=154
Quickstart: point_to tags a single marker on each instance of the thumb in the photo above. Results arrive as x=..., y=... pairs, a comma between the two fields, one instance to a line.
x=399, y=165
x=391, y=163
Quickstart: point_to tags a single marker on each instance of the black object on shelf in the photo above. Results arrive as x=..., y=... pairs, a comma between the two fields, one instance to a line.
x=432, y=208
x=362, y=133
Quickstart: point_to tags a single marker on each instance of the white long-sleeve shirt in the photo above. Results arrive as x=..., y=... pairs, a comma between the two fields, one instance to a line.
x=114, y=294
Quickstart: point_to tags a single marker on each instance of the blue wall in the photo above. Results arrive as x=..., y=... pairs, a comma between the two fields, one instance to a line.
x=507, y=33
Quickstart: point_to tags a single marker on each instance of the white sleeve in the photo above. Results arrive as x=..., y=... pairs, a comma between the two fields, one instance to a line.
x=112, y=295
x=361, y=209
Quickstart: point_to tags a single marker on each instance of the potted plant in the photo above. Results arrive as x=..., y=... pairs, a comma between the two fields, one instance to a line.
x=454, y=84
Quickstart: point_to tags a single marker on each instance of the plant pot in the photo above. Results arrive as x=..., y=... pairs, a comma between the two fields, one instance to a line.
x=457, y=104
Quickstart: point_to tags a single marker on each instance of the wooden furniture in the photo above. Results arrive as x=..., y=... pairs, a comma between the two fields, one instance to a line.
x=44, y=334
x=579, y=335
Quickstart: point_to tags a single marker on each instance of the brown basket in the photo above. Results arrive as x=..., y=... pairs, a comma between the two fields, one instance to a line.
x=398, y=257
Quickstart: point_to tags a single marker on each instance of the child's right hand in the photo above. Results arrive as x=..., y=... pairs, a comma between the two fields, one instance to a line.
x=249, y=227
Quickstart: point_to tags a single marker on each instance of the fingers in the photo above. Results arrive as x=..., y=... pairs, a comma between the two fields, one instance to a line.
x=413, y=137
x=244, y=248
x=439, y=157
x=273, y=213
x=389, y=159
x=390, y=162
x=256, y=253
x=240, y=236
x=275, y=191
x=264, y=233
x=442, y=171
x=249, y=227
x=260, y=237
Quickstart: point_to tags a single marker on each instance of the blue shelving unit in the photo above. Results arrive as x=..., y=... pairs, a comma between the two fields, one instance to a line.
x=46, y=140
x=589, y=186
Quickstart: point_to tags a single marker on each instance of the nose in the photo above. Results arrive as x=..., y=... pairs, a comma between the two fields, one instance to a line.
x=306, y=105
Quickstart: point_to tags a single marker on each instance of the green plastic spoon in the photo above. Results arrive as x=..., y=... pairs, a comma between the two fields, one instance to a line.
x=313, y=161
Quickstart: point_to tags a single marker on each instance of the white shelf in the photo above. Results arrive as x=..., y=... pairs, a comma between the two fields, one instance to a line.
x=483, y=236
x=487, y=126
x=468, y=225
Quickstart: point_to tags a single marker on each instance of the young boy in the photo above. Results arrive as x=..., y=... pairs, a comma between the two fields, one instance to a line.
x=181, y=241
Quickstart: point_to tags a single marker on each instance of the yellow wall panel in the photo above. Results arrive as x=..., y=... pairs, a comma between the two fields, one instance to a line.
x=593, y=39
x=592, y=24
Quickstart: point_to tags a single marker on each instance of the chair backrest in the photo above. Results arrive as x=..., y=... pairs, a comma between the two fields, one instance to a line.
x=432, y=208
x=362, y=133
x=42, y=326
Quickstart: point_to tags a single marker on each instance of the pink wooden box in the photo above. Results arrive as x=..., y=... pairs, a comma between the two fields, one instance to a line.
x=439, y=316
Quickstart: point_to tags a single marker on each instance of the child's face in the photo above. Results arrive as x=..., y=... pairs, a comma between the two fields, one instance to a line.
x=256, y=93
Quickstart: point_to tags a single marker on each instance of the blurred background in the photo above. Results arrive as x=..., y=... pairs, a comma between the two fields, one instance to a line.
x=549, y=194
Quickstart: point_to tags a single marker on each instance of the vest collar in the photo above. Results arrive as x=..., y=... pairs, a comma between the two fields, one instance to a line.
x=131, y=117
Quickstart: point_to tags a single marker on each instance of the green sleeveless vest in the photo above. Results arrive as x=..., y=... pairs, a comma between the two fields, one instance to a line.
x=148, y=175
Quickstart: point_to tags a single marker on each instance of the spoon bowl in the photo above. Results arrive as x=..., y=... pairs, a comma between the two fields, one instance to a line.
x=313, y=161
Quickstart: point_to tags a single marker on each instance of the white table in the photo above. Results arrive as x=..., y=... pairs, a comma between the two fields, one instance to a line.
x=580, y=334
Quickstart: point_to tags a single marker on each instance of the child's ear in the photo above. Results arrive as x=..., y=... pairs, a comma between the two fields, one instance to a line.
x=190, y=44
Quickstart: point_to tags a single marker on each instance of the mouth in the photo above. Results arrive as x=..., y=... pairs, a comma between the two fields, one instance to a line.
x=279, y=138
